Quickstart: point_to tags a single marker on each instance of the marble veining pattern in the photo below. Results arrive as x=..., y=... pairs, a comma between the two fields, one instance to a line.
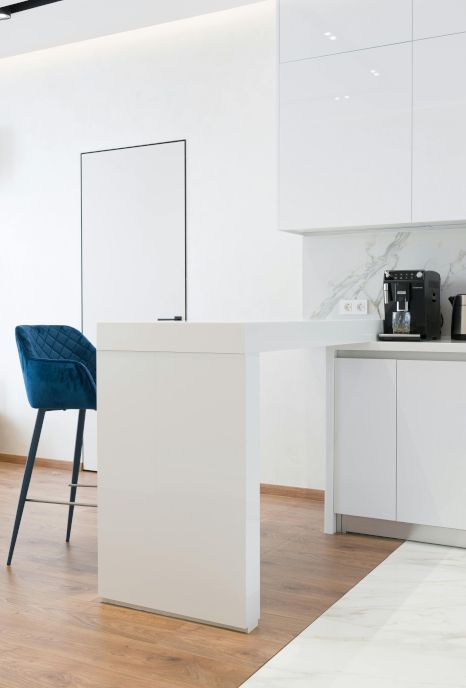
x=351, y=266
x=403, y=626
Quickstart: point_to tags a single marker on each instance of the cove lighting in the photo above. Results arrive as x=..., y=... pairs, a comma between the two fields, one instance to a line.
x=7, y=11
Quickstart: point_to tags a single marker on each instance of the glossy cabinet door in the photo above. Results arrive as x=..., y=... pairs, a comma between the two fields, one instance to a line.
x=345, y=140
x=432, y=443
x=365, y=438
x=309, y=28
x=439, y=129
x=438, y=17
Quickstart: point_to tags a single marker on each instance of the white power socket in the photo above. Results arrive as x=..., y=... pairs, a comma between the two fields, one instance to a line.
x=353, y=307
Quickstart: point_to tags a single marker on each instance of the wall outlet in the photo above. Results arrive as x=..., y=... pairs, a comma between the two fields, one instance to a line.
x=353, y=307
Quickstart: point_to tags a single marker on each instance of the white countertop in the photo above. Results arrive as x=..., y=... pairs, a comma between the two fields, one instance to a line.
x=247, y=337
x=439, y=346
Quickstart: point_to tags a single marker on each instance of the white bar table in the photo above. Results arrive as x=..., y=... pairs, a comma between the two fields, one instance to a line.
x=178, y=448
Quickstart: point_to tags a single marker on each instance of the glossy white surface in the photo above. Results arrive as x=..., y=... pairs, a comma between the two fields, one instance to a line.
x=439, y=144
x=309, y=28
x=440, y=346
x=431, y=466
x=253, y=337
x=365, y=412
x=403, y=626
x=178, y=524
x=438, y=17
x=345, y=146
x=133, y=242
x=338, y=230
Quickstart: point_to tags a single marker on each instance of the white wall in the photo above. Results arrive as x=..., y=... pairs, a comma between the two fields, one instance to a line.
x=211, y=80
x=293, y=418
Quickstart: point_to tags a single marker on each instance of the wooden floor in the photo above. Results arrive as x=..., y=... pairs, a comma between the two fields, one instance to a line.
x=54, y=632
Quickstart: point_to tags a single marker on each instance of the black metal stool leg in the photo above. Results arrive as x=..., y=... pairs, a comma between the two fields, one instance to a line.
x=76, y=465
x=26, y=480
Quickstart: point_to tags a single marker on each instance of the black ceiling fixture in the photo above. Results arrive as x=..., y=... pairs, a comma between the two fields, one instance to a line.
x=8, y=10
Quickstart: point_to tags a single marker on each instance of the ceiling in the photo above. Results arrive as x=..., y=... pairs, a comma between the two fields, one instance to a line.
x=70, y=21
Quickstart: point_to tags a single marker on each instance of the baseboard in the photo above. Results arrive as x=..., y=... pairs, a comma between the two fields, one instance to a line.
x=45, y=463
x=433, y=535
x=286, y=491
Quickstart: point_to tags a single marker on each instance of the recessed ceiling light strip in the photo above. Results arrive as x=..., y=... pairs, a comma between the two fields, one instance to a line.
x=8, y=10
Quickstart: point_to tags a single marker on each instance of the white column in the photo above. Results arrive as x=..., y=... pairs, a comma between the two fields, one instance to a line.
x=330, y=524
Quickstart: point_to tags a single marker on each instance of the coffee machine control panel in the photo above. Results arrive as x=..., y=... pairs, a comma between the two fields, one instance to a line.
x=403, y=274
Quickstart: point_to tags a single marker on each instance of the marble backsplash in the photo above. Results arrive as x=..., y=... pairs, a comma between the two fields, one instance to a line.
x=350, y=266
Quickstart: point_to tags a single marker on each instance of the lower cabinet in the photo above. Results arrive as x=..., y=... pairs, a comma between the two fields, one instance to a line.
x=365, y=438
x=400, y=440
x=431, y=411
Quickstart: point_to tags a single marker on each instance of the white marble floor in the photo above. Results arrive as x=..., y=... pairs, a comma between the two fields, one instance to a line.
x=403, y=626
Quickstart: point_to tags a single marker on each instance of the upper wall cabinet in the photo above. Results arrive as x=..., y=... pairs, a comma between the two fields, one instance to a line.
x=438, y=17
x=310, y=28
x=345, y=140
x=439, y=131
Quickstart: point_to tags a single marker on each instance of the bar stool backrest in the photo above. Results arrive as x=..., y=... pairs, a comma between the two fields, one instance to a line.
x=56, y=342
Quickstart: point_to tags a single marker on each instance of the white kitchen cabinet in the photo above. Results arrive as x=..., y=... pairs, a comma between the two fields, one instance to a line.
x=439, y=131
x=438, y=17
x=365, y=438
x=310, y=28
x=431, y=417
x=345, y=142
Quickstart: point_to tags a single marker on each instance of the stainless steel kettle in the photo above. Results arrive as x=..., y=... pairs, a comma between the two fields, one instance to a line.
x=458, y=318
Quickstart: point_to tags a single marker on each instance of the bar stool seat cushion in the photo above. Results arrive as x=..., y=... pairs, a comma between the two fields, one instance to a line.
x=59, y=367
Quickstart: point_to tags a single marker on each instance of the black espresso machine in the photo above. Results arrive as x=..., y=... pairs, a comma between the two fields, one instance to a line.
x=412, y=305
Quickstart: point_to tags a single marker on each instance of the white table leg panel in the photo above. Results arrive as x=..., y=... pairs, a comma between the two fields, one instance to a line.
x=179, y=473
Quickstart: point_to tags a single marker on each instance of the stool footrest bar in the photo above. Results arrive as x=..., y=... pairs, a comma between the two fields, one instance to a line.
x=79, y=485
x=50, y=501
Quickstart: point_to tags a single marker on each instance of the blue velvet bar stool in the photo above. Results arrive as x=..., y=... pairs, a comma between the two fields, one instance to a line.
x=59, y=370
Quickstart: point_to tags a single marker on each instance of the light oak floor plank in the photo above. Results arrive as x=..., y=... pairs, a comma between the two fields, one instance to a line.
x=54, y=632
